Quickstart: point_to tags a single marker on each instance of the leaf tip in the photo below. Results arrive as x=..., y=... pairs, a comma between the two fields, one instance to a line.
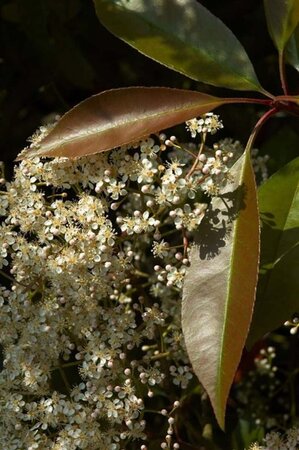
x=219, y=411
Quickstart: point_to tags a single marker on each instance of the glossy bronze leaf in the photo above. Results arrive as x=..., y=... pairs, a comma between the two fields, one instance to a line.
x=219, y=288
x=120, y=116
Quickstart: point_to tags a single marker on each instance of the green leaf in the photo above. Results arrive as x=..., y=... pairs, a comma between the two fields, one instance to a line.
x=282, y=18
x=182, y=35
x=219, y=287
x=245, y=433
x=292, y=50
x=278, y=286
x=120, y=116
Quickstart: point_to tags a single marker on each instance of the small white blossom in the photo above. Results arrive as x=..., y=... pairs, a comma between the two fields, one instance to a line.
x=209, y=123
x=181, y=375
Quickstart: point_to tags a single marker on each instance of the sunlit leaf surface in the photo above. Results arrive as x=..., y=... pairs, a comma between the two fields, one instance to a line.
x=182, y=35
x=120, y=116
x=219, y=287
x=282, y=18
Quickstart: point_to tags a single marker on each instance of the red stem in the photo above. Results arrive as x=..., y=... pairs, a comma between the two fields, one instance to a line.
x=258, y=126
x=282, y=73
x=258, y=101
x=288, y=103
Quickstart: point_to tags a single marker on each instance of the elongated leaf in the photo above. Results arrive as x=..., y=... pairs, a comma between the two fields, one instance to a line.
x=282, y=18
x=120, y=116
x=219, y=287
x=278, y=287
x=182, y=35
x=292, y=50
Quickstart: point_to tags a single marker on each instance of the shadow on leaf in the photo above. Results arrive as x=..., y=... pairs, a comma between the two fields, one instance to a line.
x=216, y=226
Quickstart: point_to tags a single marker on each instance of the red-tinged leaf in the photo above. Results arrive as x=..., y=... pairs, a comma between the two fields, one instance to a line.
x=219, y=288
x=184, y=36
x=282, y=18
x=118, y=117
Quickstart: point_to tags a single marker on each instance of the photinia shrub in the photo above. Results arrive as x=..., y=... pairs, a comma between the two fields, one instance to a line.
x=78, y=270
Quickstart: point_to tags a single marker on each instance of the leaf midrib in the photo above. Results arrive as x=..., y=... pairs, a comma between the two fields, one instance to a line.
x=231, y=271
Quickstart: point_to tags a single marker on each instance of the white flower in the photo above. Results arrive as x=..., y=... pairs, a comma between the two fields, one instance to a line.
x=147, y=171
x=160, y=249
x=175, y=277
x=188, y=218
x=209, y=123
x=148, y=149
x=116, y=189
x=181, y=375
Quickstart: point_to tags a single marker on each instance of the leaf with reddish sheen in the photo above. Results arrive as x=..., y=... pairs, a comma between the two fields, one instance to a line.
x=184, y=36
x=219, y=287
x=118, y=117
x=278, y=287
x=282, y=18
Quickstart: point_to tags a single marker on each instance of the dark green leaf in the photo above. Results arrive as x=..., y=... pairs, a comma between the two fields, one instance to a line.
x=282, y=18
x=292, y=50
x=120, y=116
x=247, y=432
x=184, y=36
x=219, y=287
x=278, y=286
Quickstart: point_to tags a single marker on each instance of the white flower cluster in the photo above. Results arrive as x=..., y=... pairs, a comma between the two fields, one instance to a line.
x=260, y=390
x=93, y=256
x=275, y=441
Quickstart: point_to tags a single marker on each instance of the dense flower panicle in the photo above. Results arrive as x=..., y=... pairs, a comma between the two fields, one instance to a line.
x=276, y=441
x=260, y=165
x=261, y=390
x=93, y=261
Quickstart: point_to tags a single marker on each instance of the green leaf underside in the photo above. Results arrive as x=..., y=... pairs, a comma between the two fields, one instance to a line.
x=278, y=287
x=282, y=18
x=219, y=287
x=292, y=50
x=184, y=36
x=118, y=117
